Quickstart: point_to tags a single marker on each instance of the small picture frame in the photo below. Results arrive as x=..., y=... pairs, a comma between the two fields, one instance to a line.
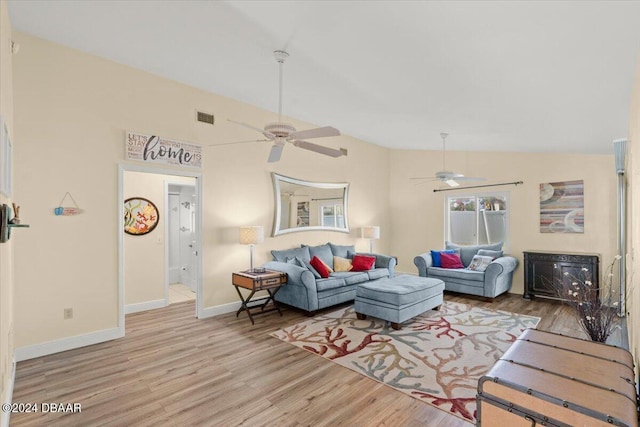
x=5, y=159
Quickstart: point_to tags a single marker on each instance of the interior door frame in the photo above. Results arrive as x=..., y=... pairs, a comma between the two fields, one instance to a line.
x=129, y=167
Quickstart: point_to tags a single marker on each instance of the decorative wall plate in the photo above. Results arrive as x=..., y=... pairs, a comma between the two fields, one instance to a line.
x=140, y=216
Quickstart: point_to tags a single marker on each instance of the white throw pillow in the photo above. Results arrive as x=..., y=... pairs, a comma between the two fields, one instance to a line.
x=480, y=263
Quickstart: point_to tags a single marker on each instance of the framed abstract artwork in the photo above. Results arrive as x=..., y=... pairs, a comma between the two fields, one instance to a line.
x=562, y=207
x=140, y=216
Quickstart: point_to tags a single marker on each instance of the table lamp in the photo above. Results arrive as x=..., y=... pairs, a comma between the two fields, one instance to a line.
x=250, y=235
x=371, y=232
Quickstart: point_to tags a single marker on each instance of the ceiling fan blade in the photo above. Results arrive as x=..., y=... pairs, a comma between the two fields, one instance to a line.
x=430, y=178
x=239, y=142
x=315, y=133
x=470, y=178
x=276, y=152
x=262, y=131
x=451, y=183
x=320, y=149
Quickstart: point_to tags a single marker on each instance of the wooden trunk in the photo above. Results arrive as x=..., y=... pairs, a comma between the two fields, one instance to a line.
x=259, y=281
x=554, y=380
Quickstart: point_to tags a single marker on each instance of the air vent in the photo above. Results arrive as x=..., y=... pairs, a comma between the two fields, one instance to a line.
x=205, y=118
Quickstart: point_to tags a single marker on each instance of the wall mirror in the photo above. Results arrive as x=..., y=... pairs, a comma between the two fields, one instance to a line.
x=306, y=205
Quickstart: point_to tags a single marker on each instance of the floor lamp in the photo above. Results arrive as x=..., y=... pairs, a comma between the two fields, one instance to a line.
x=251, y=235
x=371, y=232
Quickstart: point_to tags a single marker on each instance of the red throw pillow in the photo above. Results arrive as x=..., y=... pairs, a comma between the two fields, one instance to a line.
x=363, y=262
x=450, y=260
x=321, y=267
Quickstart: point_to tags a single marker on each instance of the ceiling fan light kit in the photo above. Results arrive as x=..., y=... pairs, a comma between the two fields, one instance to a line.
x=448, y=177
x=281, y=133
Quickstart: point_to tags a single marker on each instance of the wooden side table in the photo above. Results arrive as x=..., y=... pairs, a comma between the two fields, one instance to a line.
x=269, y=280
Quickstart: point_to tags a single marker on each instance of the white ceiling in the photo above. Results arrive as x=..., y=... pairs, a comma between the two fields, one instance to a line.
x=550, y=76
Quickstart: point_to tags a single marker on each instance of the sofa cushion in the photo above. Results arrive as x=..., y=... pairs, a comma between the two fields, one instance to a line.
x=480, y=263
x=282, y=256
x=342, y=250
x=363, y=262
x=467, y=252
x=451, y=261
x=435, y=256
x=351, y=277
x=330, y=283
x=378, y=273
x=323, y=252
x=492, y=254
x=321, y=267
x=308, y=266
x=341, y=264
x=458, y=273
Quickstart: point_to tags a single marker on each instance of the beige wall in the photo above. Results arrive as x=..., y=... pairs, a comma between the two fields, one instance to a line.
x=6, y=249
x=418, y=213
x=144, y=262
x=73, y=110
x=633, y=221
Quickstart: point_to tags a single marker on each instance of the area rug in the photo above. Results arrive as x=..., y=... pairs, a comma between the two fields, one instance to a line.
x=436, y=357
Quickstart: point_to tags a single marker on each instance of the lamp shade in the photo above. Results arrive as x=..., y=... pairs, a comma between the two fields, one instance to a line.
x=251, y=234
x=371, y=232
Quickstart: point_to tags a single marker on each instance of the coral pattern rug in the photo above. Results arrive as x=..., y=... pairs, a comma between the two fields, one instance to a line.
x=437, y=357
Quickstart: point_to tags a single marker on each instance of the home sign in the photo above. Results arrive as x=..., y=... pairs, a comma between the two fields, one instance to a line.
x=155, y=149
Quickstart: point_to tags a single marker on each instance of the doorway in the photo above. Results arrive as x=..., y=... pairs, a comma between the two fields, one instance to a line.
x=151, y=251
x=181, y=254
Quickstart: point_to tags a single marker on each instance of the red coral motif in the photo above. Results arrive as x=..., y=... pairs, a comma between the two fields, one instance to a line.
x=457, y=405
x=437, y=325
x=341, y=350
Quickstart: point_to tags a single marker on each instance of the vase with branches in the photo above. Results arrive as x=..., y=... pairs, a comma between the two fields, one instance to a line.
x=595, y=307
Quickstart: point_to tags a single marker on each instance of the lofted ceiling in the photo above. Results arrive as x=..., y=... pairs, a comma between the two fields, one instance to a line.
x=544, y=76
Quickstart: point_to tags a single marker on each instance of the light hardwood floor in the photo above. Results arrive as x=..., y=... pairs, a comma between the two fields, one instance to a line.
x=174, y=370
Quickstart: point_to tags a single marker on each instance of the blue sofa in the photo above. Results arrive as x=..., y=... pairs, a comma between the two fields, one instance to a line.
x=495, y=280
x=306, y=290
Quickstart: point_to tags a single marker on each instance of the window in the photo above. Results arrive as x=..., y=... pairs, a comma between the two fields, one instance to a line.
x=477, y=219
x=332, y=216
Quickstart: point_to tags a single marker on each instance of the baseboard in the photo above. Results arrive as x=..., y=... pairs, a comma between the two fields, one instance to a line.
x=4, y=421
x=64, y=344
x=144, y=306
x=220, y=309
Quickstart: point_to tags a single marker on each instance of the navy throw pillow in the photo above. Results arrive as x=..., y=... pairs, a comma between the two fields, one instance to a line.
x=435, y=256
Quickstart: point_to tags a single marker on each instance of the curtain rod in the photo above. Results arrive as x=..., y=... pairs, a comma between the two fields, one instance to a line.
x=477, y=186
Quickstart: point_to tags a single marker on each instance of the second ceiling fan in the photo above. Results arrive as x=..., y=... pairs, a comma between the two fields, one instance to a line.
x=450, y=178
x=281, y=133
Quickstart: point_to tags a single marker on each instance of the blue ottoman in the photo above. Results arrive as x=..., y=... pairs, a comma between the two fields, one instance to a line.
x=398, y=299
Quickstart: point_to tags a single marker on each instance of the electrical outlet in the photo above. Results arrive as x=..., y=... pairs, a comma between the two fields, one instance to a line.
x=68, y=313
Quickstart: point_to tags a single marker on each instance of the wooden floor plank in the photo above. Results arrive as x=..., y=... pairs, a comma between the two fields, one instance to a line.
x=172, y=369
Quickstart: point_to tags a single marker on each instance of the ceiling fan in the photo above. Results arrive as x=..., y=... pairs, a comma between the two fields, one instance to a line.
x=281, y=133
x=448, y=177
